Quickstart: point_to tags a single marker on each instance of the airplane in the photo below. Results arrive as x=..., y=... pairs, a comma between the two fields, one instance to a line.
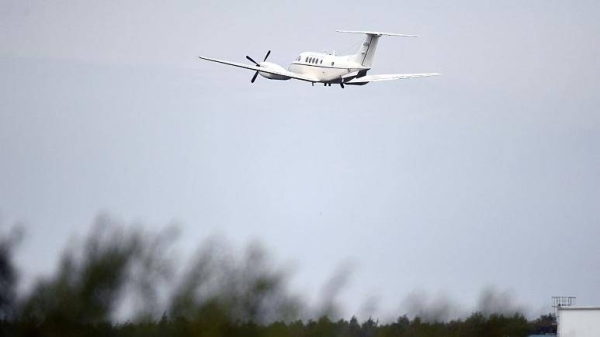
x=327, y=68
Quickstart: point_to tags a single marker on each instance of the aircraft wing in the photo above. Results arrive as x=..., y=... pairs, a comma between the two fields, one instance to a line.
x=289, y=74
x=387, y=77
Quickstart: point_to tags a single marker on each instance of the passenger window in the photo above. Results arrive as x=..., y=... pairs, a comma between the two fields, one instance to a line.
x=321, y=61
x=332, y=63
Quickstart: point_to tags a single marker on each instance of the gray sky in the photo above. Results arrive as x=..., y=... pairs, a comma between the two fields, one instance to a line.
x=487, y=175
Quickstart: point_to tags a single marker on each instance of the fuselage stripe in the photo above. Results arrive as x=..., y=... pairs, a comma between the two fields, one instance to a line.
x=325, y=67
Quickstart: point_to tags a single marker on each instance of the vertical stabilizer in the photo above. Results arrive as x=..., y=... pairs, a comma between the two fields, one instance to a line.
x=367, y=51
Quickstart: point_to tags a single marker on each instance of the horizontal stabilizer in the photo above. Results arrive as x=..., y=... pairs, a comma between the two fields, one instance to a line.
x=387, y=77
x=374, y=33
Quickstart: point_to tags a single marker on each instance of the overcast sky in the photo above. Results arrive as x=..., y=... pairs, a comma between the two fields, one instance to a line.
x=486, y=175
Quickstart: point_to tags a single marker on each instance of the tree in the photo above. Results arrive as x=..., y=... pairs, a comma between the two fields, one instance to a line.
x=8, y=274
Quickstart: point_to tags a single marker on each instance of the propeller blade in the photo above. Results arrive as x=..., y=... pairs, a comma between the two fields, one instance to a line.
x=342, y=84
x=268, y=53
x=254, y=77
x=251, y=60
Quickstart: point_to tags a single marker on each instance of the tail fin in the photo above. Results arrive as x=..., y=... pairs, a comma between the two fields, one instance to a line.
x=369, y=46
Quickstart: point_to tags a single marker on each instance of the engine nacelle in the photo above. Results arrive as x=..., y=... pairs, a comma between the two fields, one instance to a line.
x=273, y=67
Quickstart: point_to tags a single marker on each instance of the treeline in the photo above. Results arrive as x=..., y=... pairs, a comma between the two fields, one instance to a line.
x=477, y=325
x=117, y=272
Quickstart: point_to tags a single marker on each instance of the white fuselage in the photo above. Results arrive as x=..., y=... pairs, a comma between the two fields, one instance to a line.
x=325, y=67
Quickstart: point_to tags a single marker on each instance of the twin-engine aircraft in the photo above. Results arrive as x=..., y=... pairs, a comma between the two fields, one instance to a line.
x=327, y=68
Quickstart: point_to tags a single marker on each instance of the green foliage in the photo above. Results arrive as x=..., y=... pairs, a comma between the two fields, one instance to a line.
x=8, y=274
x=87, y=283
x=217, y=288
x=217, y=295
x=545, y=324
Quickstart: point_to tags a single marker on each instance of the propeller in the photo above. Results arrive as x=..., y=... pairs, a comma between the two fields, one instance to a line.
x=257, y=64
